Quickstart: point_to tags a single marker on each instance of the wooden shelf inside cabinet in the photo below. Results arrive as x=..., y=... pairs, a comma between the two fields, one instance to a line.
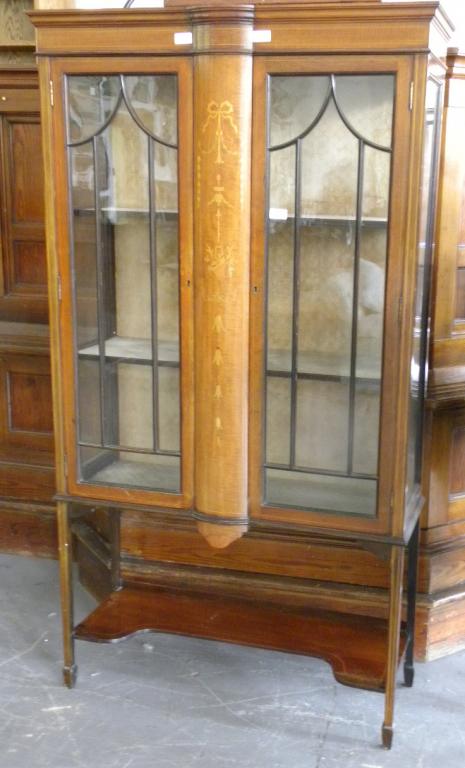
x=281, y=215
x=354, y=646
x=134, y=350
x=325, y=367
x=118, y=215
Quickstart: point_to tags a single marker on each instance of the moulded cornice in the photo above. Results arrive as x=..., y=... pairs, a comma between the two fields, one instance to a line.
x=322, y=10
x=455, y=63
x=362, y=26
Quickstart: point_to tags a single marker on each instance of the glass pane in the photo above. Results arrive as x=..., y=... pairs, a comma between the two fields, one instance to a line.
x=135, y=405
x=278, y=405
x=279, y=295
x=367, y=103
x=130, y=469
x=294, y=105
x=325, y=299
x=418, y=372
x=460, y=295
x=460, y=287
x=282, y=184
x=126, y=263
x=89, y=401
x=168, y=414
x=351, y=495
x=366, y=427
x=326, y=269
x=165, y=201
x=322, y=425
x=92, y=99
x=327, y=246
x=154, y=99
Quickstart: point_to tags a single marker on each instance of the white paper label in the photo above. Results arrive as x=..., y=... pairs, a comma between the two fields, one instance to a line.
x=261, y=36
x=87, y=4
x=183, y=38
x=278, y=214
x=148, y=4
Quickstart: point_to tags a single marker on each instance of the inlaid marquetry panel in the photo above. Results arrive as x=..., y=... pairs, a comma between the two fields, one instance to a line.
x=222, y=94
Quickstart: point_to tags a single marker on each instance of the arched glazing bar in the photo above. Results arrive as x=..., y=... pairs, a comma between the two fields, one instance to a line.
x=313, y=124
x=362, y=142
x=97, y=147
x=331, y=94
x=122, y=96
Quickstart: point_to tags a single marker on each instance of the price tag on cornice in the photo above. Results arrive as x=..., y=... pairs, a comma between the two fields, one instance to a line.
x=261, y=35
x=183, y=38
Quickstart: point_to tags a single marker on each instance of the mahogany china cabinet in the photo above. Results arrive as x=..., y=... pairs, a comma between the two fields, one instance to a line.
x=240, y=223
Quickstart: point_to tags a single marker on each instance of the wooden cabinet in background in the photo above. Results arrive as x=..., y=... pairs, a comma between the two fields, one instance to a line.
x=239, y=228
x=27, y=479
x=24, y=274
x=443, y=538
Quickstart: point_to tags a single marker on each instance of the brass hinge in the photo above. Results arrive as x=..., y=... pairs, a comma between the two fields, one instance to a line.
x=52, y=97
x=59, y=292
x=412, y=91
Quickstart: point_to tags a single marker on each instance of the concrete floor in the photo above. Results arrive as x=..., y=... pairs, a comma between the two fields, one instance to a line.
x=164, y=701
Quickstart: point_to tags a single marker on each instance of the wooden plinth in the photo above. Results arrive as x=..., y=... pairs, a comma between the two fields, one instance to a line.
x=355, y=647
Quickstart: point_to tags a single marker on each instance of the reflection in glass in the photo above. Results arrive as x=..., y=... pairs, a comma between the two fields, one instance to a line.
x=122, y=139
x=460, y=295
x=460, y=282
x=329, y=165
x=92, y=100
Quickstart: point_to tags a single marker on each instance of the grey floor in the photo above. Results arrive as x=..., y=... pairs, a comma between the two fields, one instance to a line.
x=168, y=702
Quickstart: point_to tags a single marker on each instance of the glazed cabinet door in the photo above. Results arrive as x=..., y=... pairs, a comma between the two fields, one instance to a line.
x=331, y=139
x=125, y=271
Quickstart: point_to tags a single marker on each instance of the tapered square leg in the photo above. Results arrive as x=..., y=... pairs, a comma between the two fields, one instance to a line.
x=66, y=591
x=387, y=735
x=69, y=676
x=395, y=609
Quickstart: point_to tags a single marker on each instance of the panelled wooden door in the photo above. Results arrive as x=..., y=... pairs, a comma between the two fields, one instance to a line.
x=23, y=295
x=126, y=292
x=26, y=429
x=331, y=139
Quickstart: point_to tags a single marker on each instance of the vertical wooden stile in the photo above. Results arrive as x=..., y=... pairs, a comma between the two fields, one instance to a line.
x=222, y=140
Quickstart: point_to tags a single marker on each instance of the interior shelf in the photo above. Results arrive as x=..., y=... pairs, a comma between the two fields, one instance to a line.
x=136, y=473
x=281, y=214
x=350, y=495
x=112, y=211
x=356, y=647
x=126, y=348
x=317, y=364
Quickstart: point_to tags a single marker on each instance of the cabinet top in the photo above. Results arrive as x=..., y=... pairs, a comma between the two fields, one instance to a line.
x=328, y=26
